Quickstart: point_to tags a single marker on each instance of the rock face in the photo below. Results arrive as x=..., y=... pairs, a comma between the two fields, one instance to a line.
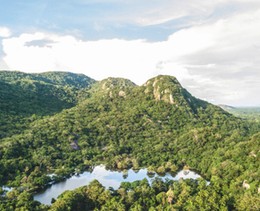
x=170, y=196
x=245, y=185
x=164, y=88
x=122, y=93
x=74, y=145
x=114, y=87
x=168, y=89
x=252, y=154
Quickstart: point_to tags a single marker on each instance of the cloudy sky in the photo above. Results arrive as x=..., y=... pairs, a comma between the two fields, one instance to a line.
x=212, y=47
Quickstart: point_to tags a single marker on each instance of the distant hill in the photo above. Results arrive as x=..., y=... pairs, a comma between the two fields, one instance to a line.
x=44, y=93
x=226, y=107
x=250, y=113
x=22, y=95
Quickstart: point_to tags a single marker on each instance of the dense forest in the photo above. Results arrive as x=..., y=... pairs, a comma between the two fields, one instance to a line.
x=66, y=123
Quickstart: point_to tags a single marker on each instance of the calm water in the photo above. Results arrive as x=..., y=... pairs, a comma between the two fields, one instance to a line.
x=106, y=178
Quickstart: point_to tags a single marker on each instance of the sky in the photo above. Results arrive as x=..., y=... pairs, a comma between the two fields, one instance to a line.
x=211, y=47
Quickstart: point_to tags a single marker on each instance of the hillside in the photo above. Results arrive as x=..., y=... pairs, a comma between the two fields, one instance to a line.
x=250, y=113
x=45, y=93
x=158, y=125
x=24, y=97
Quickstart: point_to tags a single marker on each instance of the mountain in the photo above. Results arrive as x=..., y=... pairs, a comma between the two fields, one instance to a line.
x=159, y=126
x=249, y=113
x=44, y=93
x=23, y=95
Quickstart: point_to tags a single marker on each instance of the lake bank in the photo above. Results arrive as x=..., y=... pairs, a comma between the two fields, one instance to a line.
x=108, y=179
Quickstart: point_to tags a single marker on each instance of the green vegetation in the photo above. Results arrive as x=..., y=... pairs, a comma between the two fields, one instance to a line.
x=139, y=195
x=250, y=113
x=27, y=97
x=159, y=126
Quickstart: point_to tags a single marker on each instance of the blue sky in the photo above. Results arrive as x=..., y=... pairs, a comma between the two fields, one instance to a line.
x=212, y=47
x=91, y=20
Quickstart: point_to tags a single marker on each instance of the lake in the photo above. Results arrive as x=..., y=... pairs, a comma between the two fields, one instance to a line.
x=107, y=178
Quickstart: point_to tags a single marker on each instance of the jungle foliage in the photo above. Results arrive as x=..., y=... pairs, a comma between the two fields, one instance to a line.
x=64, y=123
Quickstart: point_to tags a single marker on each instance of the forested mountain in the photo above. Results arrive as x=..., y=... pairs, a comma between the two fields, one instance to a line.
x=158, y=125
x=23, y=95
x=46, y=93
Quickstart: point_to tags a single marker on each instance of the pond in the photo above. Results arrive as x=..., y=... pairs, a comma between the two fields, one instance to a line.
x=107, y=179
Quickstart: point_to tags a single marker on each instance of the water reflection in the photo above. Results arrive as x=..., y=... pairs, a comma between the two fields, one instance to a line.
x=107, y=179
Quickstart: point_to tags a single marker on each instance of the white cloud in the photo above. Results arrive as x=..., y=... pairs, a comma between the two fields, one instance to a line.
x=136, y=59
x=217, y=61
x=168, y=10
x=149, y=12
x=5, y=32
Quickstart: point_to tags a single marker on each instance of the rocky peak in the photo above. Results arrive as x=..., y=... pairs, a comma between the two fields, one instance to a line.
x=115, y=87
x=165, y=88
